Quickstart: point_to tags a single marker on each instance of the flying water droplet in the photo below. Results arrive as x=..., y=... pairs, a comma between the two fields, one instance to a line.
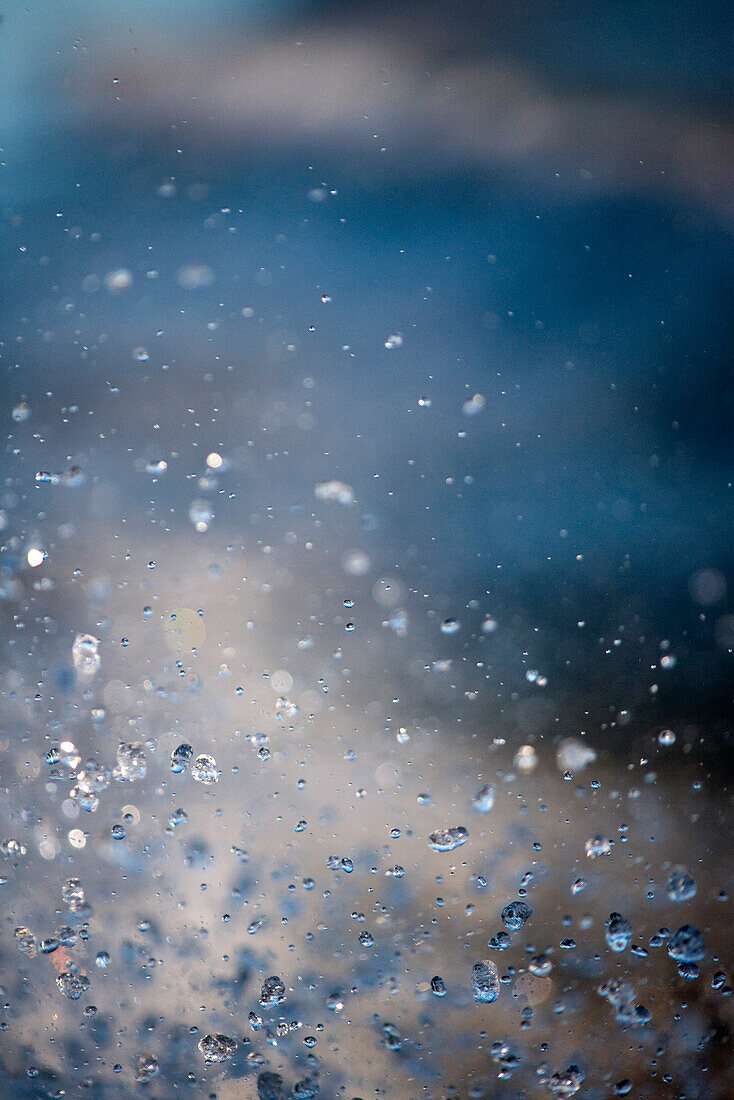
x=205, y=770
x=72, y=983
x=272, y=991
x=180, y=757
x=217, y=1048
x=147, y=1068
x=687, y=945
x=445, y=840
x=574, y=755
x=85, y=654
x=26, y=942
x=72, y=893
x=485, y=982
x=131, y=762
x=681, y=886
x=516, y=914
x=484, y=799
x=597, y=846
x=619, y=932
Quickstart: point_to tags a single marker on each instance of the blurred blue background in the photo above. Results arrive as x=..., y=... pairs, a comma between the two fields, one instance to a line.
x=536, y=198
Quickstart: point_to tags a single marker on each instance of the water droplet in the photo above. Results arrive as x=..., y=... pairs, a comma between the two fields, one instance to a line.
x=147, y=1068
x=118, y=280
x=574, y=755
x=131, y=762
x=526, y=759
x=272, y=991
x=485, y=983
x=474, y=405
x=217, y=1048
x=619, y=932
x=270, y=1086
x=516, y=914
x=597, y=846
x=445, y=840
x=335, y=492
x=687, y=945
x=204, y=769
x=681, y=886
x=72, y=893
x=484, y=799
x=25, y=941
x=85, y=654
x=180, y=757
x=201, y=515
x=72, y=983
x=540, y=965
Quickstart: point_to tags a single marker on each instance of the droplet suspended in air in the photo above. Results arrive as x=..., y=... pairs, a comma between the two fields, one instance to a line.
x=204, y=769
x=180, y=757
x=516, y=914
x=201, y=515
x=485, y=982
x=573, y=755
x=681, y=886
x=484, y=799
x=118, y=280
x=687, y=945
x=26, y=942
x=85, y=654
x=217, y=1048
x=445, y=840
x=72, y=893
x=335, y=492
x=618, y=933
x=147, y=1068
x=72, y=983
x=272, y=991
x=474, y=405
x=131, y=762
x=597, y=846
